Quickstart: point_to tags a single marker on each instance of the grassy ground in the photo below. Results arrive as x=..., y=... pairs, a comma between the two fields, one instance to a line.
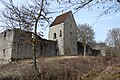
x=64, y=68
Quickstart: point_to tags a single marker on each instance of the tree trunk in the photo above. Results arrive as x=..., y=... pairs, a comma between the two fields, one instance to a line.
x=38, y=75
x=84, y=51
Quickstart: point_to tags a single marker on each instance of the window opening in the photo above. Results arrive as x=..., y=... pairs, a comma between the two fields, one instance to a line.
x=54, y=35
x=3, y=50
x=5, y=34
x=60, y=33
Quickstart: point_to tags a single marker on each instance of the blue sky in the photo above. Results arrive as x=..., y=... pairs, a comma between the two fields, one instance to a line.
x=101, y=27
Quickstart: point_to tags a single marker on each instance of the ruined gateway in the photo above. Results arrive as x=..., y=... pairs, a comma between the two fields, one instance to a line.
x=15, y=43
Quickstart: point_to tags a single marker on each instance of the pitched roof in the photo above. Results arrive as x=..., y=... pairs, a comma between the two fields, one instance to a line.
x=59, y=19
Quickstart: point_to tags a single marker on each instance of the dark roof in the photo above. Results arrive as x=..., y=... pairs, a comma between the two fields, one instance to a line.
x=59, y=19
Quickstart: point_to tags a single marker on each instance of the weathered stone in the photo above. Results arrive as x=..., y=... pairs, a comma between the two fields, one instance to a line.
x=17, y=44
x=64, y=31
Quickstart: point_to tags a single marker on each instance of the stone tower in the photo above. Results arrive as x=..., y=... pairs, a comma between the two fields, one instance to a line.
x=64, y=30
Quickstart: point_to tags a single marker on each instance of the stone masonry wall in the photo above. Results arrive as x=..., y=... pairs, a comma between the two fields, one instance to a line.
x=6, y=41
x=16, y=43
x=70, y=36
x=23, y=47
x=59, y=31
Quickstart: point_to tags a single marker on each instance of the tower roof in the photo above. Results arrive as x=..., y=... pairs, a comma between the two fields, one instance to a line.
x=60, y=19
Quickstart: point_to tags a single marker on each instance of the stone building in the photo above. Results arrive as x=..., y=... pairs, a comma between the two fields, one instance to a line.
x=64, y=30
x=17, y=43
x=6, y=40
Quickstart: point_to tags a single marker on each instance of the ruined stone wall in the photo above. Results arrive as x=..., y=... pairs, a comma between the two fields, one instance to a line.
x=92, y=52
x=16, y=44
x=22, y=47
x=47, y=48
x=89, y=51
x=6, y=41
x=101, y=47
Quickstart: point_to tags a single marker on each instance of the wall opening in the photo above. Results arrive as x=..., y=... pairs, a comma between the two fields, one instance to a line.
x=60, y=33
x=3, y=50
x=4, y=34
x=70, y=33
x=71, y=38
x=54, y=36
x=70, y=26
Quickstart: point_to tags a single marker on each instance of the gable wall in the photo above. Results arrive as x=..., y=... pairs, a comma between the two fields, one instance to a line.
x=6, y=40
x=60, y=39
x=70, y=39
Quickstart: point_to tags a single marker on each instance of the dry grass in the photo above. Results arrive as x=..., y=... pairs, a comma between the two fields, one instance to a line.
x=64, y=68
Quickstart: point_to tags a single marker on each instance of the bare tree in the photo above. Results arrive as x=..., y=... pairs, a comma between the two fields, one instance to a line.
x=85, y=35
x=113, y=41
x=108, y=6
x=27, y=17
x=113, y=37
